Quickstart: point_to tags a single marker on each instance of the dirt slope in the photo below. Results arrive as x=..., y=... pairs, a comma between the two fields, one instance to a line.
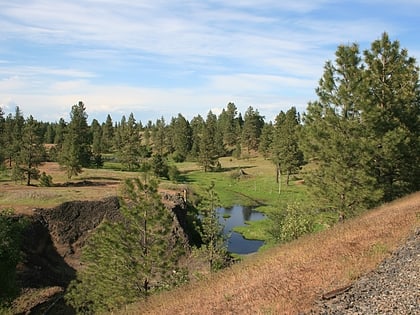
x=52, y=248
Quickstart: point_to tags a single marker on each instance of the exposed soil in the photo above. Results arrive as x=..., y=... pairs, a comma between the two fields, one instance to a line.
x=52, y=248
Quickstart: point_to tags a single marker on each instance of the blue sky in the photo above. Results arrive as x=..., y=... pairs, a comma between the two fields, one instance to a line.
x=160, y=58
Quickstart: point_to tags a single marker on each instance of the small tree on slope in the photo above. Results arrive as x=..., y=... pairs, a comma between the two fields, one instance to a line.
x=129, y=259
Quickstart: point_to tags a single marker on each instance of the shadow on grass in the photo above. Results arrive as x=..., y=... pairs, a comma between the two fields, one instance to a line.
x=84, y=183
x=102, y=178
x=184, y=179
x=236, y=168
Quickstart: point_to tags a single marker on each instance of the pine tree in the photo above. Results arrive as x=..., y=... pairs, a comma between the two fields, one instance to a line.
x=182, y=136
x=197, y=128
x=208, y=155
x=214, y=244
x=286, y=154
x=252, y=128
x=76, y=150
x=13, y=128
x=159, y=166
x=60, y=131
x=335, y=140
x=130, y=259
x=391, y=114
x=49, y=134
x=227, y=124
x=159, y=136
x=129, y=149
x=266, y=140
x=97, y=144
x=107, y=135
x=32, y=151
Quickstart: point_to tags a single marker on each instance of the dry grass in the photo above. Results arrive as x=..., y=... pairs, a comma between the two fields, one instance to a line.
x=288, y=279
x=24, y=199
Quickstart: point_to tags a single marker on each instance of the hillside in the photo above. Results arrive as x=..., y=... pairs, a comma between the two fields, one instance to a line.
x=290, y=279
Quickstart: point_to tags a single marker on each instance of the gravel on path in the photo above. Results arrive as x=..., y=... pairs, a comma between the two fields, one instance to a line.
x=392, y=288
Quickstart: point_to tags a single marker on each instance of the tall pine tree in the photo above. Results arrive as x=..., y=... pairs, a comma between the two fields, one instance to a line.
x=335, y=140
x=252, y=128
x=32, y=151
x=76, y=149
x=208, y=156
x=286, y=154
x=391, y=114
x=182, y=138
x=129, y=150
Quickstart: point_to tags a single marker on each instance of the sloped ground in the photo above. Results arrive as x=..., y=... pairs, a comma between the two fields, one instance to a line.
x=290, y=279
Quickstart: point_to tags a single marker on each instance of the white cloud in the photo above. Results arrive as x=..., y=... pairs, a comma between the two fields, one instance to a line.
x=122, y=56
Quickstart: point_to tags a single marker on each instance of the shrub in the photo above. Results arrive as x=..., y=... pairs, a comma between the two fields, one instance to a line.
x=11, y=228
x=45, y=180
x=174, y=173
x=290, y=223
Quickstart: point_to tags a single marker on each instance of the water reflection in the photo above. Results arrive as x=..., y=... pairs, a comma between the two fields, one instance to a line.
x=237, y=216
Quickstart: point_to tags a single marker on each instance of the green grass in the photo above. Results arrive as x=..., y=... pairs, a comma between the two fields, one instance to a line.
x=254, y=230
x=257, y=188
x=247, y=182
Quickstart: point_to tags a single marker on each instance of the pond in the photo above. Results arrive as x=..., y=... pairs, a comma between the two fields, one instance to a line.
x=237, y=216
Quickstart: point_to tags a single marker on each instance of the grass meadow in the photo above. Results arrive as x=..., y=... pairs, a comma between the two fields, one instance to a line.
x=248, y=182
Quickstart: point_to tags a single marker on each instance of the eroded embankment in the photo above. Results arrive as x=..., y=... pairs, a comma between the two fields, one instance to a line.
x=52, y=248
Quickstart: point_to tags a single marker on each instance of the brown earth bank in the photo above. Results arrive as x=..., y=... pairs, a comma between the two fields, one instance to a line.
x=52, y=247
x=293, y=278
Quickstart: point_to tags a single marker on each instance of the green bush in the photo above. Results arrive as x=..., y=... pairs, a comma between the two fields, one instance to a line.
x=174, y=173
x=45, y=180
x=11, y=228
x=290, y=224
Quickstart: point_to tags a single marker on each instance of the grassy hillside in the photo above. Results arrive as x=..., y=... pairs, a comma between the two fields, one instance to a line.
x=288, y=279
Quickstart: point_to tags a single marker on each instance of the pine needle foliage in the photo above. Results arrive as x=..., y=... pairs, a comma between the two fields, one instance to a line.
x=363, y=131
x=11, y=228
x=129, y=259
x=214, y=245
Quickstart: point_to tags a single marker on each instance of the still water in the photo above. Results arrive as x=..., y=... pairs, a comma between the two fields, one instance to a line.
x=238, y=215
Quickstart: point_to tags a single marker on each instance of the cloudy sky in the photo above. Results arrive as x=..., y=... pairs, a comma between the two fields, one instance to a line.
x=159, y=57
